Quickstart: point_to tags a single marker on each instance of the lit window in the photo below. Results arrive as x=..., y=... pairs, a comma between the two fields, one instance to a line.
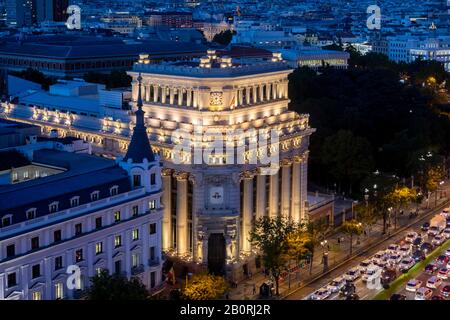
x=15, y=177
x=31, y=214
x=117, y=216
x=53, y=207
x=36, y=174
x=98, y=247
x=152, y=204
x=135, y=234
x=117, y=241
x=59, y=290
x=99, y=271
x=26, y=175
x=135, y=211
x=36, y=295
x=79, y=255
x=135, y=260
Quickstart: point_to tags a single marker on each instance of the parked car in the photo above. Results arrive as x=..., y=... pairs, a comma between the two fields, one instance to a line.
x=406, y=264
x=363, y=265
x=425, y=226
x=320, y=294
x=411, y=236
x=442, y=259
x=418, y=255
x=405, y=250
x=352, y=274
x=423, y=294
x=397, y=296
x=426, y=247
x=438, y=240
x=445, y=291
x=413, y=285
x=336, y=285
x=393, y=247
x=444, y=273
x=431, y=268
x=434, y=282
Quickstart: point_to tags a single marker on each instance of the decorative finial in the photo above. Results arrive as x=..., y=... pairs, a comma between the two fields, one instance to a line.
x=139, y=100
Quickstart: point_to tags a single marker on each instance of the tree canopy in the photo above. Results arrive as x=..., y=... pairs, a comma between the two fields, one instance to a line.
x=205, y=287
x=116, y=287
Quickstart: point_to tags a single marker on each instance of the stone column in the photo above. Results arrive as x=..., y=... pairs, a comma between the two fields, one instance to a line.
x=274, y=193
x=260, y=196
x=3, y=286
x=47, y=294
x=296, y=183
x=267, y=91
x=303, y=186
x=171, y=95
x=147, y=92
x=127, y=247
x=255, y=94
x=90, y=258
x=163, y=94
x=261, y=92
x=180, y=96
x=286, y=188
x=247, y=95
x=155, y=93
x=134, y=90
x=189, y=97
x=25, y=271
x=195, y=98
x=240, y=97
x=274, y=90
x=182, y=234
x=247, y=211
x=167, y=219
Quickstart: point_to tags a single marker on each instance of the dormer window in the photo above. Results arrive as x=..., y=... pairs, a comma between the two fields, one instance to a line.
x=31, y=213
x=75, y=201
x=153, y=179
x=136, y=180
x=6, y=220
x=95, y=195
x=53, y=207
x=114, y=190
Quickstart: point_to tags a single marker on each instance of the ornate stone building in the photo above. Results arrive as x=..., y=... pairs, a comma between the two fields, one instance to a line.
x=209, y=206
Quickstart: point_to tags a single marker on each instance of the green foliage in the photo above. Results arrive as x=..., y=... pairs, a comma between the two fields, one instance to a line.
x=205, y=287
x=223, y=37
x=36, y=76
x=116, y=287
x=115, y=79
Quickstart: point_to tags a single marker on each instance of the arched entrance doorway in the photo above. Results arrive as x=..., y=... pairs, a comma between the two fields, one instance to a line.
x=216, y=254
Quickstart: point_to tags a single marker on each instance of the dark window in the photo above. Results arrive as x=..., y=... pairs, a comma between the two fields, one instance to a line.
x=94, y=196
x=56, y=235
x=12, y=280
x=152, y=279
x=118, y=266
x=58, y=263
x=34, y=243
x=153, y=179
x=135, y=210
x=152, y=228
x=136, y=180
x=10, y=251
x=6, y=221
x=78, y=229
x=98, y=222
x=79, y=255
x=152, y=253
x=36, y=271
x=114, y=191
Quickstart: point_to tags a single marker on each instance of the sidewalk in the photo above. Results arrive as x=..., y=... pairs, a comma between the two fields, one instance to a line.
x=336, y=254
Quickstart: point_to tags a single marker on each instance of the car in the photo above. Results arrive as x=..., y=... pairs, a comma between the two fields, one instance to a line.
x=371, y=273
x=388, y=275
x=418, y=241
x=425, y=226
x=444, y=273
x=411, y=236
x=405, y=250
x=446, y=233
x=348, y=289
x=352, y=274
x=447, y=221
x=393, y=247
x=320, y=294
x=431, y=268
x=423, y=294
x=380, y=263
x=438, y=240
x=406, y=264
x=352, y=296
x=433, y=231
x=445, y=212
x=426, y=247
x=363, y=265
x=442, y=259
x=394, y=259
x=336, y=285
x=445, y=291
x=447, y=252
x=434, y=282
x=437, y=298
x=418, y=255
x=397, y=296
x=413, y=285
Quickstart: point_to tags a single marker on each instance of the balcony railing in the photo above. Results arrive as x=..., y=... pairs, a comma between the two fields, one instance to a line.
x=153, y=262
x=137, y=269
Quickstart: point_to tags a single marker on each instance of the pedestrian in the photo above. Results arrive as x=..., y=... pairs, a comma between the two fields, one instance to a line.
x=227, y=296
x=339, y=240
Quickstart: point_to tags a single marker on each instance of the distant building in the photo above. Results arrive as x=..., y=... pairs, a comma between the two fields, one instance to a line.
x=21, y=13
x=62, y=56
x=64, y=209
x=315, y=58
x=52, y=10
x=170, y=19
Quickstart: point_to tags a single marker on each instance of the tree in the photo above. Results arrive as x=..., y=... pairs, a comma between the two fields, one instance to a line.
x=223, y=37
x=299, y=245
x=317, y=230
x=115, y=79
x=270, y=236
x=116, y=287
x=367, y=214
x=399, y=198
x=36, y=76
x=351, y=228
x=205, y=287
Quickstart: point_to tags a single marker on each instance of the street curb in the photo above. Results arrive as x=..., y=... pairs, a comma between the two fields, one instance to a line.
x=340, y=264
